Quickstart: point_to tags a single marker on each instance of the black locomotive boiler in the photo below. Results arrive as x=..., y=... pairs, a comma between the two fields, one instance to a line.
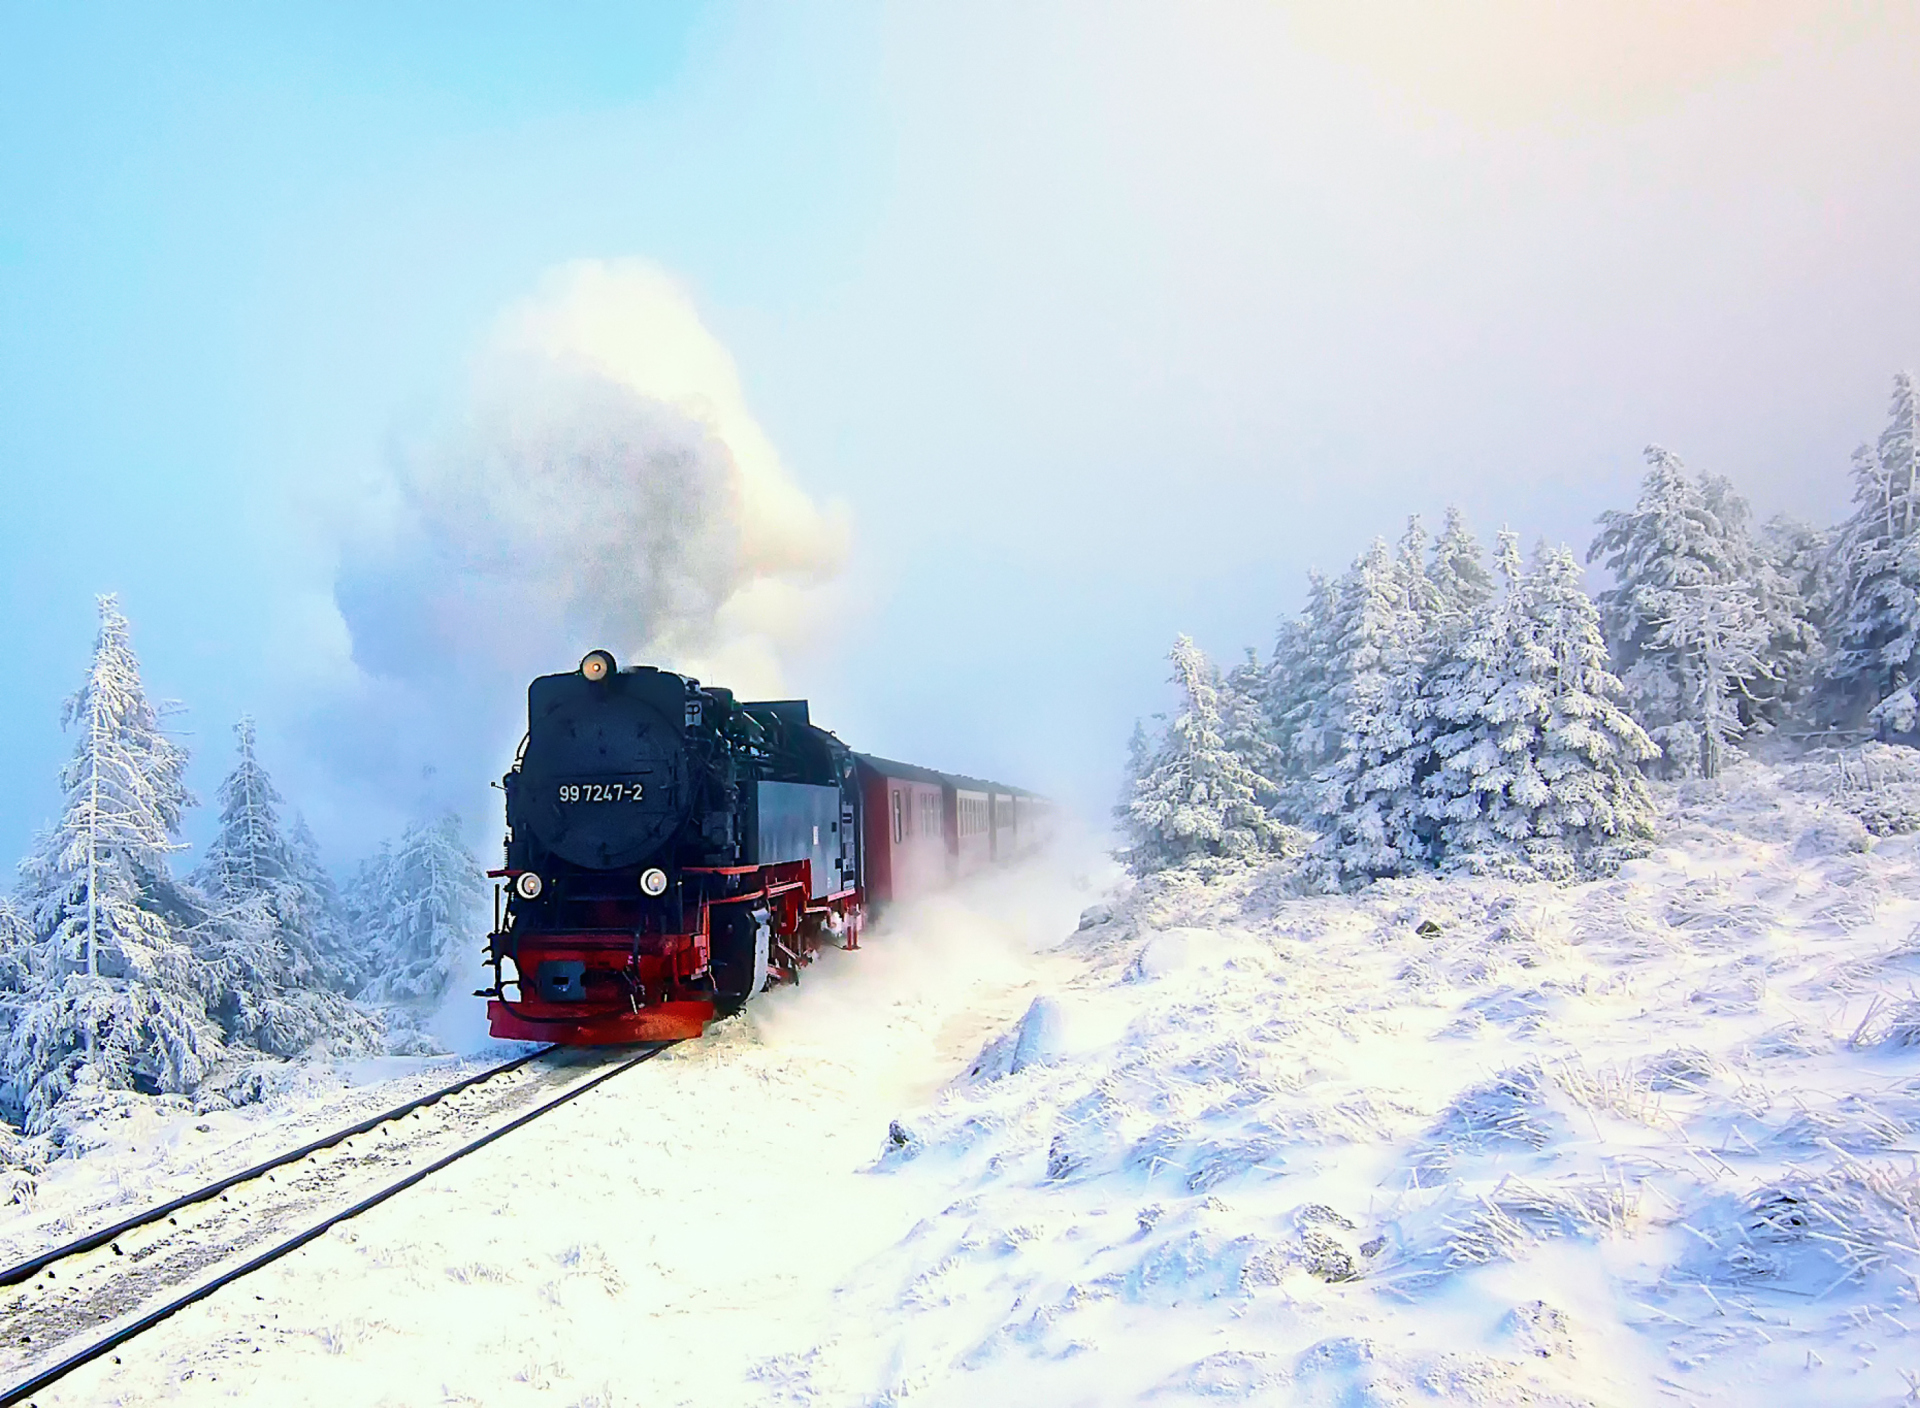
x=671, y=850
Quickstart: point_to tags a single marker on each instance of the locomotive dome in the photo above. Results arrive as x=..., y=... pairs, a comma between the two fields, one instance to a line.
x=603, y=782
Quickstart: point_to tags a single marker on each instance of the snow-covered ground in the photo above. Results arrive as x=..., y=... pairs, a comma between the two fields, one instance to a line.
x=1647, y=1139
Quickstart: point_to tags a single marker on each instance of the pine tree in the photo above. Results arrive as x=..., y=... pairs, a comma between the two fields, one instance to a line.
x=322, y=910
x=1422, y=593
x=1534, y=765
x=1458, y=570
x=1684, y=542
x=1363, y=795
x=118, y=997
x=1246, y=728
x=1788, y=615
x=1198, y=798
x=369, y=900
x=1298, y=696
x=419, y=906
x=1802, y=557
x=1139, y=762
x=1876, y=572
x=1720, y=632
x=258, y=935
x=248, y=855
x=16, y=952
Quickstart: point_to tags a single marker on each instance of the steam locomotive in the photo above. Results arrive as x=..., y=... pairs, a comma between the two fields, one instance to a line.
x=671, y=851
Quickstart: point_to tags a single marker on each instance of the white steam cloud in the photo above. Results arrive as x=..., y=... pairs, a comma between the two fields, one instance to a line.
x=605, y=486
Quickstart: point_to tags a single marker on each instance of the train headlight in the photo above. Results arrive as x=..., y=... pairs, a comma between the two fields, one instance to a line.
x=653, y=881
x=596, y=665
x=527, y=885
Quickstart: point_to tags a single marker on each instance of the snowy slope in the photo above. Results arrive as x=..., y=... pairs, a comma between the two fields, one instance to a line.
x=1478, y=1142
x=1642, y=1140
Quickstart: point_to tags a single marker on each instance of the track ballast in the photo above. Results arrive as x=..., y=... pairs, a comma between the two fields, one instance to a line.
x=126, y=1284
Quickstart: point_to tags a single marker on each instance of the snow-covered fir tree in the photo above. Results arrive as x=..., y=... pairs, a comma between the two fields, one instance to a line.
x=1417, y=583
x=260, y=934
x=16, y=955
x=1361, y=794
x=1875, y=606
x=1788, y=614
x=1244, y=723
x=419, y=907
x=1720, y=632
x=1139, y=757
x=117, y=997
x=1298, y=694
x=1359, y=643
x=1534, y=765
x=1197, y=798
x=1802, y=558
x=1685, y=542
x=323, y=912
x=1462, y=583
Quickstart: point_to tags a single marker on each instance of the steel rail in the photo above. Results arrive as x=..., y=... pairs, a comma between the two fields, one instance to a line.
x=33, y=1266
x=47, y=1377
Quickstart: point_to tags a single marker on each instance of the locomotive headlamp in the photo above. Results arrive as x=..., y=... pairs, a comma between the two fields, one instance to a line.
x=597, y=665
x=527, y=885
x=653, y=881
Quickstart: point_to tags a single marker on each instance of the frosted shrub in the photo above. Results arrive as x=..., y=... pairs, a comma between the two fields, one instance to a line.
x=1851, y=1223
x=1879, y=783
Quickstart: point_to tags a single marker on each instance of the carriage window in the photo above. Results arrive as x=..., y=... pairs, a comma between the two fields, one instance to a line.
x=899, y=827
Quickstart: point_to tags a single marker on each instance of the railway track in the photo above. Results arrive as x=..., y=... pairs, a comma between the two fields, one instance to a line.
x=109, y=1287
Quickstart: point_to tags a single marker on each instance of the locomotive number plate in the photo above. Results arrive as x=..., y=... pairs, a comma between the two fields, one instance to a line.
x=600, y=792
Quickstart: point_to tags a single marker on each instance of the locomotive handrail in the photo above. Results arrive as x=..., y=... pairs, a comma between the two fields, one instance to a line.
x=765, y=892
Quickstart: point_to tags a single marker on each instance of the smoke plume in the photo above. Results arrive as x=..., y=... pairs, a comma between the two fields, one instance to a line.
x=604, y=485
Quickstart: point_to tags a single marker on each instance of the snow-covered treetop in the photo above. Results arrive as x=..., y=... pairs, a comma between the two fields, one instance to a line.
x=1876, y=565
x=1199, y=796
x=126, y=778
x=1462, y=584
x=249, y=854
x=1885, y=490
x=1672, y=537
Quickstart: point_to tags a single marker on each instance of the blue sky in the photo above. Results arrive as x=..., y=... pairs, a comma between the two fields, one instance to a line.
x=1102, y=322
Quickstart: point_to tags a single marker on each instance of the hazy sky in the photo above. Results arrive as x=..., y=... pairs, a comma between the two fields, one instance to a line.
x=1082, y=325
